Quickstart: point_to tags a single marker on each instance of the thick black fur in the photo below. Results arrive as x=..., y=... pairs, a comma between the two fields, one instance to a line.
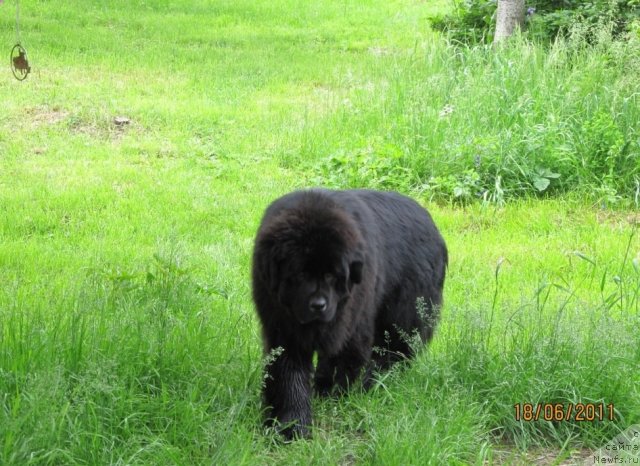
x=339, y=273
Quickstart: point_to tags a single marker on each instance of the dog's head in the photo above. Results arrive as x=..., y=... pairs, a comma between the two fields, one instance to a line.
x=310, y=259
x=313, y=290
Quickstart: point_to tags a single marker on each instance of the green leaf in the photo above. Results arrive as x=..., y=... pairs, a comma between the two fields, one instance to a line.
x=546, y=173
x=541, y=183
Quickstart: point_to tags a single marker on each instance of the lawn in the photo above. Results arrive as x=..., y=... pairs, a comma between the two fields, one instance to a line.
x=127, y=330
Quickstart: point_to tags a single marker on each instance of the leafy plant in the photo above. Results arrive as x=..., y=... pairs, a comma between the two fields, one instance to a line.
x=461, y=188
x=472, y=21
x=605, y=153
x=542, y=178
x=383, y=169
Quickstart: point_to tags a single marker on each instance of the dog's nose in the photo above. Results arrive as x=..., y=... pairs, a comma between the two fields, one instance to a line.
x=318, y=304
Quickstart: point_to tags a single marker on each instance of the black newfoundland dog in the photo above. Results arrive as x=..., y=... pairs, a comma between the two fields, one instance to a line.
x=351, y=275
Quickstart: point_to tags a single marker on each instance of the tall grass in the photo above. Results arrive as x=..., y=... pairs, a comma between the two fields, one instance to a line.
x=124, y=368
x=152, y=366
x=465, y=123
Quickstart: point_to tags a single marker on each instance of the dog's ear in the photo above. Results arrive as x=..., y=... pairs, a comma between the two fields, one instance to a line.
x=352, y=266
x=355, y=271
x=354, y=263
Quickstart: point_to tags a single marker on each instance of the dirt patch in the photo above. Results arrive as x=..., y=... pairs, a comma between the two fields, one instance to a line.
x=43, y=115
x=618, y=219
x=95, y=126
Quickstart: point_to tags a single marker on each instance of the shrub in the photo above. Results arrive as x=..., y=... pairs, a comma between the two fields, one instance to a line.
x=473, y=21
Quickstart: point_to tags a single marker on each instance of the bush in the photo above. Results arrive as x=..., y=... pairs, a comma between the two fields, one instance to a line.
x=473, y=21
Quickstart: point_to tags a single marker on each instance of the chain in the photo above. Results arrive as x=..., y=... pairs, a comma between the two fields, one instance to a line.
x=18, y=20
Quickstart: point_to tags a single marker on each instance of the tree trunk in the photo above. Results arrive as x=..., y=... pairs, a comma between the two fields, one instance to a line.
x=509, y=16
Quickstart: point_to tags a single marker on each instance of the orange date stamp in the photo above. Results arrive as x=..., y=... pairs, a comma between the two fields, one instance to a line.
x=559, y=412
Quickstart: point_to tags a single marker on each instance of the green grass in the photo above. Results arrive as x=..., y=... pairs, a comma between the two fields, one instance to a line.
x=127, y=331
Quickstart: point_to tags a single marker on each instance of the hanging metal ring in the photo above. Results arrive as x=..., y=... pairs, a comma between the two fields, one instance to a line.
x=19, y=63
